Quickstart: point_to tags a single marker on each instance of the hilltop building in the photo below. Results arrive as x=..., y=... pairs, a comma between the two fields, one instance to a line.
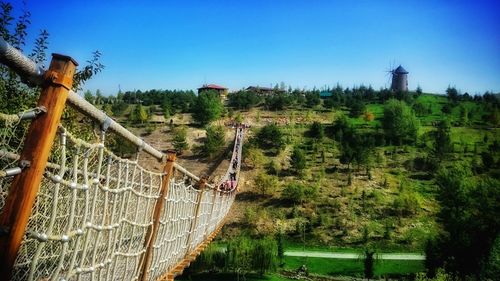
x=222, y=91
x=399, y=79
x=264, y=91
x=325, y=94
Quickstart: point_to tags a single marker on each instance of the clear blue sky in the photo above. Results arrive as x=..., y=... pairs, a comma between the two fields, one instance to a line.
x=182, y=44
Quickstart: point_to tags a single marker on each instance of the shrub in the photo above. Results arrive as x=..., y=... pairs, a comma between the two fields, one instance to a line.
x=399, y=122
x=179, y=142
x=207, y=107
x=297, y=192
x=270, y=136
x=317, y=130
x=266, y=183
x=298, y=160
x=213, y=142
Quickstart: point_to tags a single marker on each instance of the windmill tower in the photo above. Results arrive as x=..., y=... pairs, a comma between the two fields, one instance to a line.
x=399, y=79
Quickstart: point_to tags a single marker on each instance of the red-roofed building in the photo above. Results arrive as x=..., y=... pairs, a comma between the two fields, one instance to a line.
x=222, y=91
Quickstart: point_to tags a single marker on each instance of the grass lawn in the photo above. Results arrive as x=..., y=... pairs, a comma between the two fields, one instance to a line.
x=325, y=266
x=231, y=277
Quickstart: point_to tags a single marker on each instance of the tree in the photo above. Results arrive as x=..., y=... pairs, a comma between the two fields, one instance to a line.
x=266, y=183
x=406, y=203
x=281, y=247
x=418, y=90
x=452, y=94
x=254, y=157
x=368, y=264
x=464, y=115
x=470, y=218
x=179, y=142
x=244, y=99
x=357, y=108
x=239, y=255
x=264, y=253
x=293, y=192
x=277, y=101
x=270, y=137
x=317, y=130
x=207, y=107
x=492, y=265
x=213, y=142
x=118, y=108
x=88, y=96
x=442, y=139
x=312, y=99
x=139, y=114
x=297, y=192
x=15, y=95
x=399, y=122
x=298, y=160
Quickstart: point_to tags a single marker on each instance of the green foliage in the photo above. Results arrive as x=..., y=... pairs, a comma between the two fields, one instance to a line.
x=399, y=122
x=471, y=221
x=93, y=67
x=14, y=94
x=312, y=99
x=297, y=192
x=442, y=139
x=179, y=142
x=253, y=157
x=406, y=203
x=244, y=99
x=244, y=255
x=138, y=114
x=298, y=160
x=238, y=118
x=281, y=247
x=293, y=192
x=272, y=167
x=264, y=255
x=207, y=107
x=213, y=142
x=357, y=108
x=266, y=183
x=118, y=108
x=239, y=254
x=492, y=265
x=277, y=101
x=452, y=94
x=270, y=137
x=317, y=130
x=368, y=263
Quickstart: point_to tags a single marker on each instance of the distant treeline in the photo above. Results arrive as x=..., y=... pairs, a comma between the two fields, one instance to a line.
x=354, y=99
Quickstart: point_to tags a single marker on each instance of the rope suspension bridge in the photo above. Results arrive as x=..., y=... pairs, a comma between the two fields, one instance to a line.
x=71, y=209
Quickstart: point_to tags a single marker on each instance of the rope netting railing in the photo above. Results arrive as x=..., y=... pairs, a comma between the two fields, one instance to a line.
x=191, y=213
x=91, y=215
x=13, y=128
x=95, y=215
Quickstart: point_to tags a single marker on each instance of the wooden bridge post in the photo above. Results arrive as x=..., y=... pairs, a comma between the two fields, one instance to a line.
x=153, y=229
x=36, y=150
x=201, y=187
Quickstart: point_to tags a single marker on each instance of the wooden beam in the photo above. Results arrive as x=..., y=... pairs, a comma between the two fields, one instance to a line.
x=152, y=232
x=36, y=150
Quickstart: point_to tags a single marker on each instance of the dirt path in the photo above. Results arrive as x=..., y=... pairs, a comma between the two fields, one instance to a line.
x=333, y=255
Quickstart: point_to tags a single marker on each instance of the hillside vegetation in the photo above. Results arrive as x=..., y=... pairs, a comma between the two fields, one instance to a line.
x=360, y=169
